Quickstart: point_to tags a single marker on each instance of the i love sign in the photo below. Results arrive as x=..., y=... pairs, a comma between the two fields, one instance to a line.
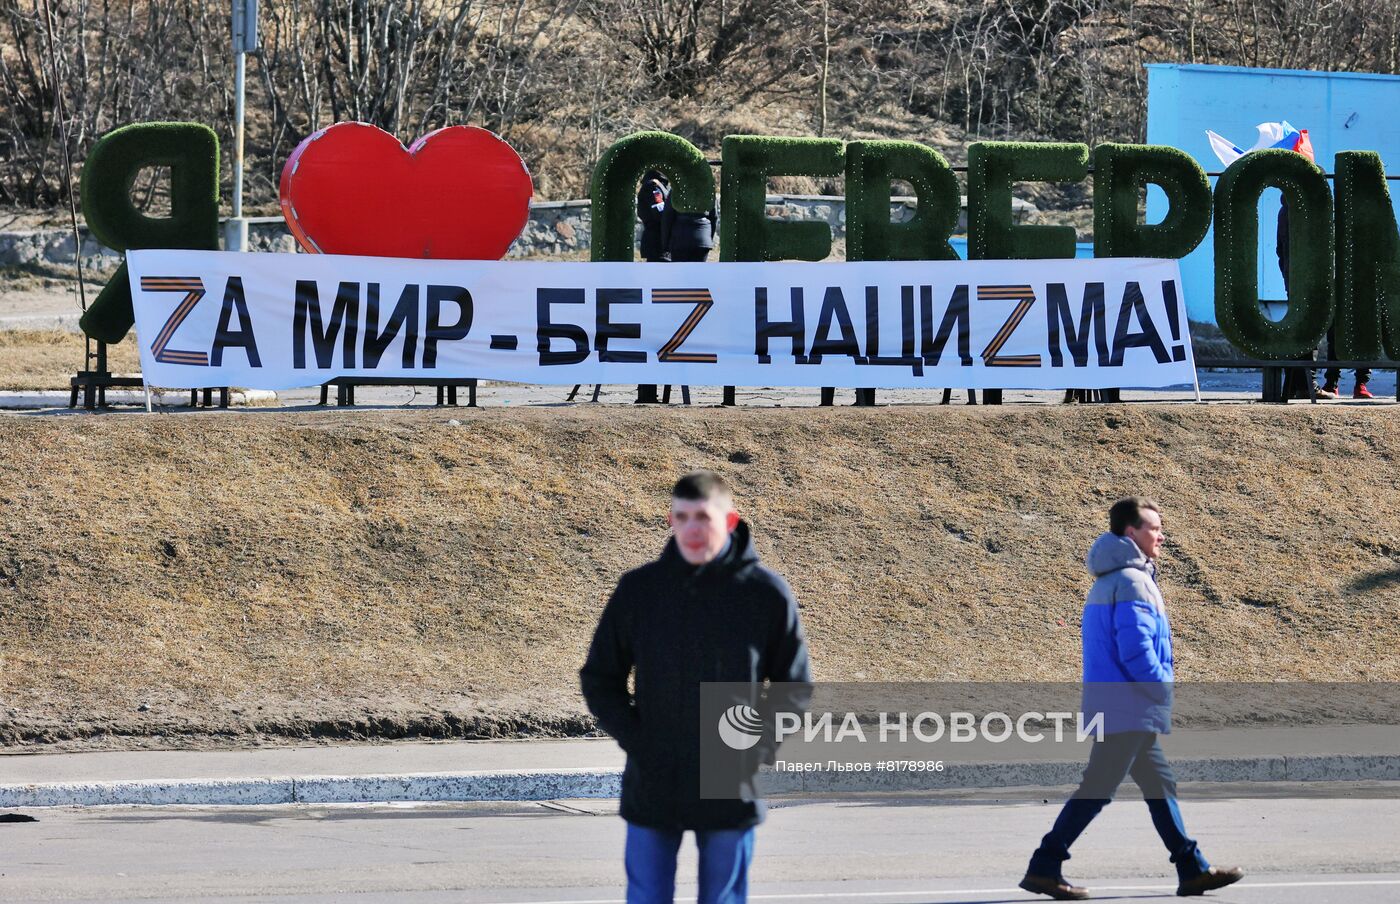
x=459, y=193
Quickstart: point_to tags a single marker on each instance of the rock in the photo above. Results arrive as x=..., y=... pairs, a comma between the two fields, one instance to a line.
x=60, y=249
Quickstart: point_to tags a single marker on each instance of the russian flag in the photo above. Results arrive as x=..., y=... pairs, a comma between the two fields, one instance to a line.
x=1271, y=135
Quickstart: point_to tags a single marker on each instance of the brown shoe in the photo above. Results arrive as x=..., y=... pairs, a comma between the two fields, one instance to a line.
x=1056, y=888
x=1209, y=880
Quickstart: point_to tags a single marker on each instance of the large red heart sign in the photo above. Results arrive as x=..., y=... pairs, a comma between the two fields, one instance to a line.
x=459, y=193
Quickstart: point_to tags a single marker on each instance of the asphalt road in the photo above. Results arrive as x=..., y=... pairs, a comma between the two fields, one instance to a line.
x=897, y=852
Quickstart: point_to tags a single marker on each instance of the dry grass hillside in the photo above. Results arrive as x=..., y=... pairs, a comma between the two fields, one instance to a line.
x=230, y=577
x=47, y=359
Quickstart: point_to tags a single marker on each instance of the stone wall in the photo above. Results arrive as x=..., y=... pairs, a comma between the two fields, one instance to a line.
x=555, y=229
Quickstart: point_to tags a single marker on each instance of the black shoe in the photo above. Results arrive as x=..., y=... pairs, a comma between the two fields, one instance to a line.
x=1055, y=887
x=1209, y=880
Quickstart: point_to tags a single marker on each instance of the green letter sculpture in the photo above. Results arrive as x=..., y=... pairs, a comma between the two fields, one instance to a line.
x=1121, y=171
x=614, y=188
x=192, y=153
x=870, y=236
x=991, y=168
x=1368, y=260
x=745, y=232
x=1236, y=246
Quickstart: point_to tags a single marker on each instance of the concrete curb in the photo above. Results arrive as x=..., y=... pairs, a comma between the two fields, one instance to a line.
x=542, y=784
x=555, y=784
x=21, y=399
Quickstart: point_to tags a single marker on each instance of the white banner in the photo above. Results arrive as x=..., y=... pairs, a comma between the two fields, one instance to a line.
x=278, y=321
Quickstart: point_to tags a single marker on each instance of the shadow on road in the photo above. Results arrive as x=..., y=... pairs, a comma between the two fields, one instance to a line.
x=256, y=815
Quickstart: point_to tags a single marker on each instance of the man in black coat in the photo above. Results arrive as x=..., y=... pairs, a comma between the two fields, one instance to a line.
x=651, y=201
x=706, y=611
x=652, y=198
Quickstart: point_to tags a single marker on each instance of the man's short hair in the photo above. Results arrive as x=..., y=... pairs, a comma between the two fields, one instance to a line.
x=702, y=485
x=1127, y=513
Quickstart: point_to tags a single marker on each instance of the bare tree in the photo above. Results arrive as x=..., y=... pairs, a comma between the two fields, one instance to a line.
x=561, y=78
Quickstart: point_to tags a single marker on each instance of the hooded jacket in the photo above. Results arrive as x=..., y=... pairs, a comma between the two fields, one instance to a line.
x=1127, y=640
x=678, y=625
x=651, y=201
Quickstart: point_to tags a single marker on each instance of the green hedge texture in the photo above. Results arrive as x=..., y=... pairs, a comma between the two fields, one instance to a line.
x=620, y=170
x=1121, y=172
x=1368, y=260
x=870, y=236
x=745, y=232
x=992, y=166
x=1310, y=250
x=191, y=151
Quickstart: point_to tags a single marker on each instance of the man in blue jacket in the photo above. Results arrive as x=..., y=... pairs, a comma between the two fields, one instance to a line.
x=1127, y=677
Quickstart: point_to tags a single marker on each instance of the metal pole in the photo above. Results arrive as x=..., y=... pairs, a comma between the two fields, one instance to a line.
x=245, y=29
x=240, y=68
x=1195, y=372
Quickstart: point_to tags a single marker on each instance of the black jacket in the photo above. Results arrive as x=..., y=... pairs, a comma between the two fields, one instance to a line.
x=654, y=191
x=683, y=234
x=731, y=620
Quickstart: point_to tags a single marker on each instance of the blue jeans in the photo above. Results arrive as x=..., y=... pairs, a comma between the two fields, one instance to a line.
x=725, y=855
x=1117, y=756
